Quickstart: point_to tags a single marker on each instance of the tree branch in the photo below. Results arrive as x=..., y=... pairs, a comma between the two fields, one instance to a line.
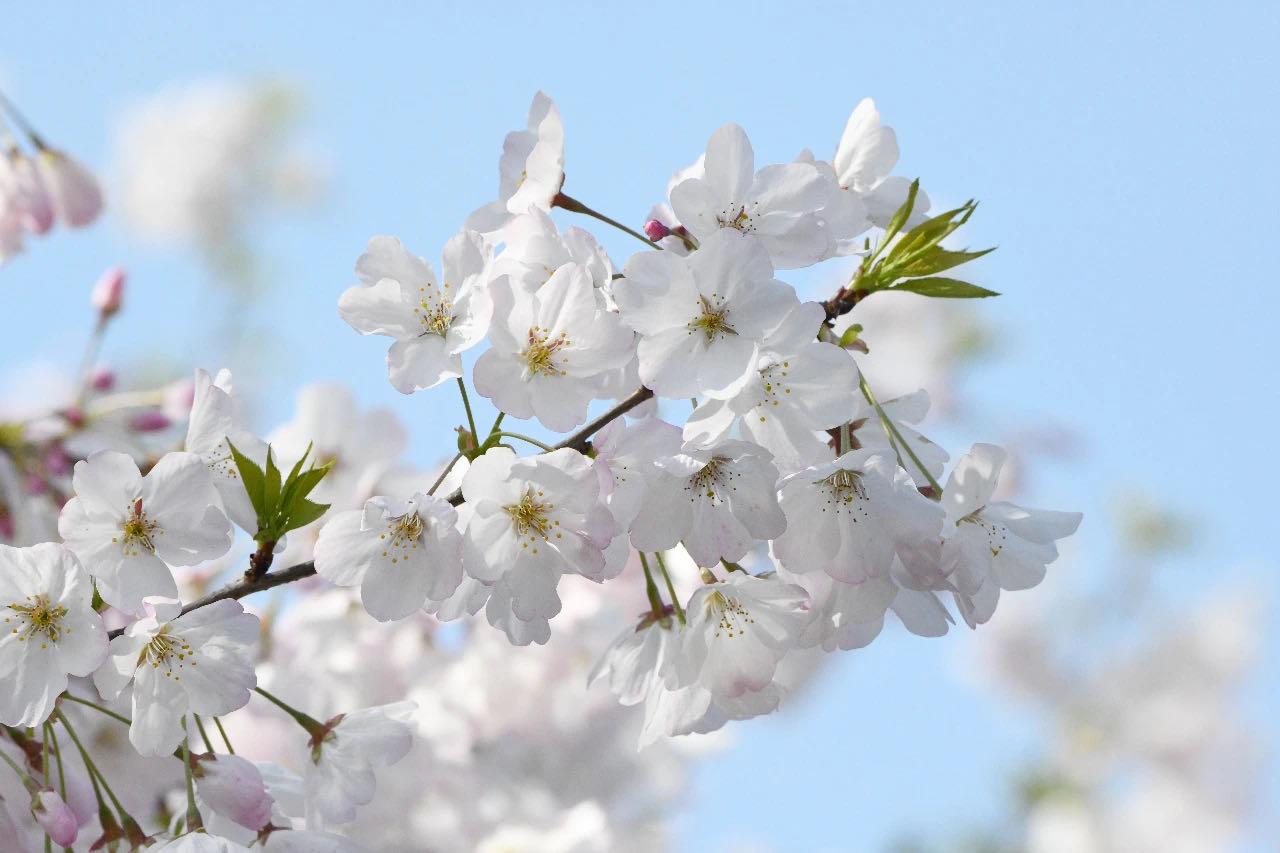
x=248, y=584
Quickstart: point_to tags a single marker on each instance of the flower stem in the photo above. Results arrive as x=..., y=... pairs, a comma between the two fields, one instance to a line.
x=466, y=404
x=21, y=121
x=651, y=588
x=312, y=725
x=204, y=736
x=218, y=722
x=194, y=824
x=444, y=473
x=896, y=438
x=95, y=706
x=572, y=204
x=23, y=775
x=546, y=447
x=93, y=770
x=675, y=600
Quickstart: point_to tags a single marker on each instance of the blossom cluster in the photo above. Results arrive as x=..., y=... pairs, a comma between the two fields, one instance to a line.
x=787, y=513
x=41, y=188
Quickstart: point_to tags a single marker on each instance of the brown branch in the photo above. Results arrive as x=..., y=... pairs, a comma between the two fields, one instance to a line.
x=249, y=584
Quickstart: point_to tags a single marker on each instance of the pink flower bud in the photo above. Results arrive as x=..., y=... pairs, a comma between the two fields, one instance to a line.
x=152, y=420
x=55, y=817
x=74, y=417
x=233, y=788
x=108, y=293
x=655, y=230
x=102, y=379
x=73, y=190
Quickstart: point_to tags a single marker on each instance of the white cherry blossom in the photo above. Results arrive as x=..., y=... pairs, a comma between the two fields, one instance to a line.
x=702, y=318
x=432, y=322
x=216, y=419
x=849, y=518
x=125, y=527
x=339, y=777
x=738, y=629
x=531, y=169
x=400, y=553
x=716, y=499
x=48, y=630
x=533, y=520
x=801, y=389
x=994, y=545
x=551, y=348
x=866, y=154
x=780, y=204
x=534, y=248
x=198, y=662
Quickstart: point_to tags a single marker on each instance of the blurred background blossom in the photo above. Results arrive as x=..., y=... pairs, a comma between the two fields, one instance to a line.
x=1128, y=704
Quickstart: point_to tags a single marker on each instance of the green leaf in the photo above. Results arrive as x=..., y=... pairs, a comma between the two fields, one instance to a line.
x=271, y=484
x=302, y=513
x=944, y=288
x=936, y=260
x=252, y=478
x=930, y=232
x=302, y=486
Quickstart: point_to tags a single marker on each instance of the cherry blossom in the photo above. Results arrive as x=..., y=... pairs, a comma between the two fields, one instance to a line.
x=125, y=527
x=50, y=629
x=779, y=204
x=716, y=499
x=432, y=322
x=216, y=422
x=178, y=663
x=73, y=190
x=550, y=349
x=849, y=517
x=702, y=318
x=866, y=154
x=340, y=775
x=399, y=552
x=534, y=519
x=531, y=169
x=800, y=390
x=994, y=545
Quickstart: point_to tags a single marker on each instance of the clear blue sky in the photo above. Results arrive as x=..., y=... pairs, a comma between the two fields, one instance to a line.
x=1124, y=154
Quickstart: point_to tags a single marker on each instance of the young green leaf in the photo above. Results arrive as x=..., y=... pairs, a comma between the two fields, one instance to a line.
x=252, y=478
x=930, y=232
x=936, y=260
x=302, y=513
x=944, y=288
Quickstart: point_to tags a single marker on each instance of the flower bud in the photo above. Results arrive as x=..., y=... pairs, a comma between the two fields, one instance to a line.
x=655, y=230
x=73, y=190
x=55, y=817
x=233, y=788
x=108, y=293
x=102, y=379
x=152, y=420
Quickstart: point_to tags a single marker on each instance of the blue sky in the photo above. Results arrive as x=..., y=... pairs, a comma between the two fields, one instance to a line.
x=1124, y=154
